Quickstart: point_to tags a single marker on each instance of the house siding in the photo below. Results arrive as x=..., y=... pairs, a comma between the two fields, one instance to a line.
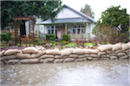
x=67, y=13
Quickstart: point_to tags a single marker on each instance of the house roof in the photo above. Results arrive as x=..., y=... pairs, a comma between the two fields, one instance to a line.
x=80, y=13
x=64, y=20
x=84, y=18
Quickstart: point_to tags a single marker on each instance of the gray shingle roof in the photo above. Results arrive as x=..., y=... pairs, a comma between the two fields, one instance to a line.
x=70, y=20
x=65, y=20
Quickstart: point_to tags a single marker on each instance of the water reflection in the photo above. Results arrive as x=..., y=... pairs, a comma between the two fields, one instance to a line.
x=80, y=73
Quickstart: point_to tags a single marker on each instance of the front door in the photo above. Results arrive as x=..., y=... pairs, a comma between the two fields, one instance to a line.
x=59, y=32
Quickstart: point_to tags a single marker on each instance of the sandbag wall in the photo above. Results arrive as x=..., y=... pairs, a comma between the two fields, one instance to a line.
x=40, y=55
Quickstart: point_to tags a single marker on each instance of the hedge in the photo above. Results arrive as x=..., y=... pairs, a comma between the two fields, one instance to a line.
x=66, y=37
x=50, y=37
x=5, y=37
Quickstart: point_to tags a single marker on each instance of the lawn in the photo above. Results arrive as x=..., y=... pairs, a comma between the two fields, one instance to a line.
x=74, y=44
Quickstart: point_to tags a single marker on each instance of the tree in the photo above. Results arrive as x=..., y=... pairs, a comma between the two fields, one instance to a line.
x=41, y=9
x=87, y=10
x=116, y=20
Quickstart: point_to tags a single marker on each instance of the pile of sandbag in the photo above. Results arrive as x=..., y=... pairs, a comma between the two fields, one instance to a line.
x=40, y=55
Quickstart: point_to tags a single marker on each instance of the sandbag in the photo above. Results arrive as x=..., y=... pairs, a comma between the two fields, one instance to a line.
x=11, y=52
x=104, y=47
x=124, y=57
x=95, y=59
x=128, y=44
x=89, y=58
x=101, y=53
x=121, y=54
x=40, y=53
x=125, y=46
x=48, y=60
x=105, y=56
x=118, y=51
x=23, y=56
x=94, y=55
x=86, y=55
x=81, y=56
x=27, y=61
x=78, y=51
x=69, y=59
x=113, y=57
x=65, y=56
x=40, y=48
x=65, y=52
x=2, y=53
x=46, y=56
x=8, y=57
x=117, y=46
x=53, y=52
x=30, y=50
x=69, y=49
x=73, y=56
x=79, y=59
x=113, y=54
x=91, y=51
x=58, y=60
x=13, y=61
x=1, y=63
x=57, y=56
x=109, y=52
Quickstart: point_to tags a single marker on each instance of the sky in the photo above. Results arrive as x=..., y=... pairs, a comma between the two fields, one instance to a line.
x=97, y=6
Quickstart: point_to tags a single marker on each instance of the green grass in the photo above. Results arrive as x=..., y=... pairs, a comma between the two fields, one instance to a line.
x=89, y=44
x=74, y=44
x=70, y=45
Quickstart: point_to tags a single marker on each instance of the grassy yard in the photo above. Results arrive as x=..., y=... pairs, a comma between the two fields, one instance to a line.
x=74, y=44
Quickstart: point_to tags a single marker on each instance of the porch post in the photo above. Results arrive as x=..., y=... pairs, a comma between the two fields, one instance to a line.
x=54, y=30
x=38, y=31
x=65, y=28
x=87, y=30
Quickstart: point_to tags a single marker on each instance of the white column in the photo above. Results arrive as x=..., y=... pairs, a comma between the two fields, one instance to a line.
x=65, y=28
x=86, y=30
x=38, y=31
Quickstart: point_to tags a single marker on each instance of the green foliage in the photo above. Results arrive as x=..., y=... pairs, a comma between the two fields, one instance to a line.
x=113, y=23
x=37, y=40
x=87, y=10
x=66, y=37
x=50, y=37
x=5, y=36
x=114, y=17
x=42, y=9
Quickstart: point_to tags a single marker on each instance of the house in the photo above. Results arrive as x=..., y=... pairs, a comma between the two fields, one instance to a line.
x=68, y=21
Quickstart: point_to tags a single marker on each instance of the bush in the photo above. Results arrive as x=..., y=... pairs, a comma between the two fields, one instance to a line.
x=5, y=36
x=50, y=37
x=36, y=40
x=66, y=37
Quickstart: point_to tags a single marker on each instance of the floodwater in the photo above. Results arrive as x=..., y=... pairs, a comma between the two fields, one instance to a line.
x=105, y=73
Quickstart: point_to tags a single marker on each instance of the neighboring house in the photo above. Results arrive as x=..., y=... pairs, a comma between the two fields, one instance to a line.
x=68, y=21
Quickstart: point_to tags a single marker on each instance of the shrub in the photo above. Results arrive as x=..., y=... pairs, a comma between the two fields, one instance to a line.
x=36, y=40
x=5, y=36
x=66, y=37
x=50, y=37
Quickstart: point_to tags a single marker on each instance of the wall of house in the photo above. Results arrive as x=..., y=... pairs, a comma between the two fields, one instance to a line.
x=67, y=13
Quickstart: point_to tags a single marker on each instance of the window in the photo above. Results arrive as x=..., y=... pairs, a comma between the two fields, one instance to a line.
x=73, y=31
x=41, y=28
x=78, y=31
x=83, y=31
x=49, y=32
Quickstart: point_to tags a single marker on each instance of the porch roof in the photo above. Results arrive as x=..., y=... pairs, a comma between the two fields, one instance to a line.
x=65, y=20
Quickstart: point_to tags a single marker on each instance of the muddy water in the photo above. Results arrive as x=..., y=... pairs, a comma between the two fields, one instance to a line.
x=114, y=72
